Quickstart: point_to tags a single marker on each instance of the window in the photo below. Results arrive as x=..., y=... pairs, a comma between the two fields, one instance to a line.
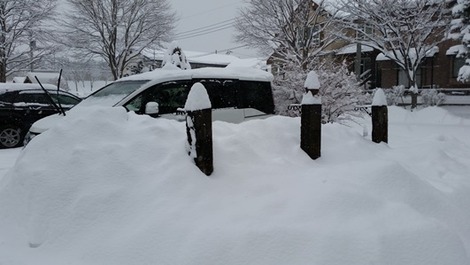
x=457, y=63
x=39, y=98
x=366, y=66
x=64, y=99
x=221, y=92
x=256, y=95
x=363, y=31
x=170, y=96
x=123, y=88
x=305, y=34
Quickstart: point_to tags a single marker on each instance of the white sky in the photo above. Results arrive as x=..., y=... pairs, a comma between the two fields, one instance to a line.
x=202, y=14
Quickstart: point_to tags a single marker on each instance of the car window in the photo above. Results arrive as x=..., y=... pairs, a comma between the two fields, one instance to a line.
x=113, y=93
x=257, y=95
x=221, y=92
x=64, y=99
x=170, y=96
x=36, y=98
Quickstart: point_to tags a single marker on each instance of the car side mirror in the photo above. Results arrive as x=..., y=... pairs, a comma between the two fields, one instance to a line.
x=151, y=108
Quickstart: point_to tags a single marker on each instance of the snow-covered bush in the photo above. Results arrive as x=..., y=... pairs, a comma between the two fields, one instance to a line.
x=340, y=91
x=175, y=56
x=460, y=28
x=431, y=97
x=136, y=68
x=395, y=95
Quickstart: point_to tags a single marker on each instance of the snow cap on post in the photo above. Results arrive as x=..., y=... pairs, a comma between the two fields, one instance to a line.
x=379, y=98
x=198, y=99
x=310, y=99
x=312, y=81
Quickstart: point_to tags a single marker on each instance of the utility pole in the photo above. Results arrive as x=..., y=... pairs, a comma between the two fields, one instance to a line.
x=32, y=47
x=357, y=63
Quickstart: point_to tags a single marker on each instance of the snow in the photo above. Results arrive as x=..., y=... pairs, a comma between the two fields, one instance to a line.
x=5, y=87
x=198, y=99
x=312, y=81
x=352, y=48
x=379, y=98
x=464, y=73
x=309, y=99
x=456, y=49
x=174, y=55
x=242, y=73
x=198, y=57
x=112, y=187
x=412, y=53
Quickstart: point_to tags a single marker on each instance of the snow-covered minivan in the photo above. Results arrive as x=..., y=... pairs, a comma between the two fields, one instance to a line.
x=236, y=94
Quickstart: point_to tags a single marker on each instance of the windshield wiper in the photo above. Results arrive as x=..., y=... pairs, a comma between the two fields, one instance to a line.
x=60, y=110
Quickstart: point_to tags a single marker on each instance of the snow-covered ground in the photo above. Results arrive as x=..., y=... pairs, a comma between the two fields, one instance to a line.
x=110, y=187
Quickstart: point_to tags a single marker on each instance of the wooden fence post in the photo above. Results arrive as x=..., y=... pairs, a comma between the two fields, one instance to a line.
x=379, y=117
x=310, y=123
x=199, y=128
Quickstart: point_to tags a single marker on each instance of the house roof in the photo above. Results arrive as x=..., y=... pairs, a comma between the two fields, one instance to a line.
x=44, y=77
x=429, y=53
x=19, y=79
x=352, y=48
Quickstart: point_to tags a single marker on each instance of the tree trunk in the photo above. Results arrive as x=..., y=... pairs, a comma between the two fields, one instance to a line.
x=3, y=72
x=414, y=100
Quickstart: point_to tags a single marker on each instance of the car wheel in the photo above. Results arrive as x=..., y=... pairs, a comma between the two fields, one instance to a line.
x=10, y=136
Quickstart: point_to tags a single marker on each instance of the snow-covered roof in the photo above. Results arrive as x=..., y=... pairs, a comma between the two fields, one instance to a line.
x=352, y=48
x=8, y=87
x=5, y=87
x=430, y=53
x=249, y=62
x=242, y=73
x=456, y=49
x=43, y=77
x=19, y=79
x=195, y=57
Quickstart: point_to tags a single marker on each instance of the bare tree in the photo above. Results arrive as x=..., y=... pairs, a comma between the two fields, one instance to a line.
x=23, y=35
x=117, y=30
x=296, y=30
x=405, y=31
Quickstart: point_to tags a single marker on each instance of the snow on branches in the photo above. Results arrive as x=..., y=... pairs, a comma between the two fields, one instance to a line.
x=175, y=57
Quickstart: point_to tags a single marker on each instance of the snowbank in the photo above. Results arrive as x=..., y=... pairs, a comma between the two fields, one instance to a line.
x=110, y=187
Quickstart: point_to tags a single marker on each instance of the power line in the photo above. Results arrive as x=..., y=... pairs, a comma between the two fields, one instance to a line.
x=224, y=50
x=206, y=28
x=192, y=35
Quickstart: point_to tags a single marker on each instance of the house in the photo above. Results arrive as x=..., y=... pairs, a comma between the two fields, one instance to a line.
x=439, y=69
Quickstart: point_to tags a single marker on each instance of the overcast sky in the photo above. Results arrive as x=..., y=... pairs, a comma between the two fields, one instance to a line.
x=214, y=17
x=206, y=26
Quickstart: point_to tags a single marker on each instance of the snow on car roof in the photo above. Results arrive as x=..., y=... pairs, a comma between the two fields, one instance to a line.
x=241, y=73
x=6, y=87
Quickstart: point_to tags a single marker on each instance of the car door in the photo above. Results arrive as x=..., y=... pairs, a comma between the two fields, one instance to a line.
x=33, y=105
x=170, y=96
x=223, y=96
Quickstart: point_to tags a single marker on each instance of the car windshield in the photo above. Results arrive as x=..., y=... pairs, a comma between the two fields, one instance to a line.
x=111, y=94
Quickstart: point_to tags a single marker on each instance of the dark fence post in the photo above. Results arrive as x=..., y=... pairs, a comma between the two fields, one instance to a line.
x=379, y=117
x=199, y=128
x=310, y=123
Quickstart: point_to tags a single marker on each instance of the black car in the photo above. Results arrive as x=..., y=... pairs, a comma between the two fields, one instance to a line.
x=23, y=104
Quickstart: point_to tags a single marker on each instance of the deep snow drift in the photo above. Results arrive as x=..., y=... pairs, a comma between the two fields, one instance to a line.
x=110, y=187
